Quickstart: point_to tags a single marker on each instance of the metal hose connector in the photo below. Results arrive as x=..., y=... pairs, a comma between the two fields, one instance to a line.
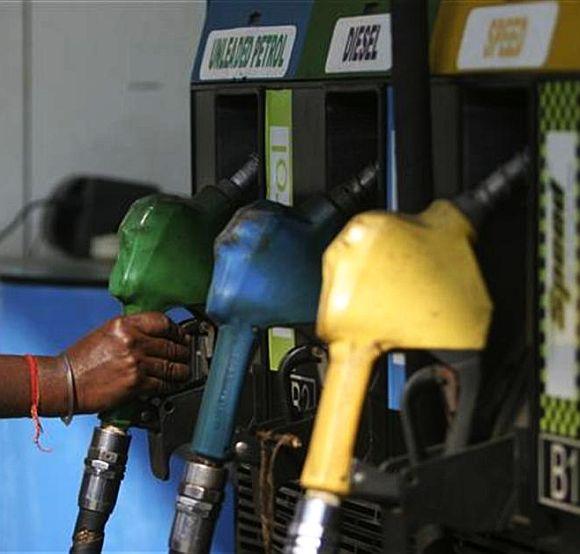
x=104, y=470
x=315, y=528
x=197, y=508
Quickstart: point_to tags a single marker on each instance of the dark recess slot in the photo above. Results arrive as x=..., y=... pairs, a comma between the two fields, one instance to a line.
x=496, y=126
x=352, y=130
x=236, y=131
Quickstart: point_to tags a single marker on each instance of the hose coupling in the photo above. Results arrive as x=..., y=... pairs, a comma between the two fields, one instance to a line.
x=197, y=508
x=315, y=528
x=104, y=469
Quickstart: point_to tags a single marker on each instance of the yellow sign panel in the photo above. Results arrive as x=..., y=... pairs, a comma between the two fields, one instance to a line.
x=487, y=36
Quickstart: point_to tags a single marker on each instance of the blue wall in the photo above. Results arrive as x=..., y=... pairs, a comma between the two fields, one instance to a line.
x=38, y=491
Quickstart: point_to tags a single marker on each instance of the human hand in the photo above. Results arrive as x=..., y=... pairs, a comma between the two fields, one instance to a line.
x=129, y=356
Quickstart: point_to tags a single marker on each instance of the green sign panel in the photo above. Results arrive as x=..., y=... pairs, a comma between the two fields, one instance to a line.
x=345, y=40
x=279, y=189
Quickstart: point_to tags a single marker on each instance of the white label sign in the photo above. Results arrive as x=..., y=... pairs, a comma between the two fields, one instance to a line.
x=559, y=475
x=280, y=189
x=283, y=333
x=303, y=392
x=247, y=52
x=560, y=281
x=513, y=36
x=361, y=43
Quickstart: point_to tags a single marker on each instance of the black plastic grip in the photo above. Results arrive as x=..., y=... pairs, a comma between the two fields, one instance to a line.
x=483, y=199
x=356, y=193
x=237, y=187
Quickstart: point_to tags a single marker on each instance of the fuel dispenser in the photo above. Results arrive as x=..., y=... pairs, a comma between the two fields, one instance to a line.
x=514, y=67
x=432, y=298
x=312, y=88
x=165, y=261
x=318, y=74
x=505, y=77
x=252, y=289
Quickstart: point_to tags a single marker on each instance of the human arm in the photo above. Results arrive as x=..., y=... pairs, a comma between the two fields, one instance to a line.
x=126, y=357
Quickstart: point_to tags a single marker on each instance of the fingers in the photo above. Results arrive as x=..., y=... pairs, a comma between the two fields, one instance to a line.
x=171, y=373
x=160, y=351
x=165, y=349
x=157, y=324
x=154, y=386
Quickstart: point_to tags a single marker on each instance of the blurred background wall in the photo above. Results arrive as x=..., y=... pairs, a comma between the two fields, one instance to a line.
x=92, y=87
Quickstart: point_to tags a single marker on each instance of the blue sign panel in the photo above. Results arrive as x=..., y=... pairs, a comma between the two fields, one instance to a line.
x=251, y=40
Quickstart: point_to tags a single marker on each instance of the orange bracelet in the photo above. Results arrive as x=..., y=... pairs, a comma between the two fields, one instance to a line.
x=35, y=400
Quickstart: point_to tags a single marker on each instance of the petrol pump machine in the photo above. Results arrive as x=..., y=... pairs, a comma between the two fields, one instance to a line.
x=503, y=80
x=322, y=89
x=260, y=75
x=515, y=66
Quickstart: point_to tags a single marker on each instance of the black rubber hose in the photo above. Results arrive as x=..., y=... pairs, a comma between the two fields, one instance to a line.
x=89, y=533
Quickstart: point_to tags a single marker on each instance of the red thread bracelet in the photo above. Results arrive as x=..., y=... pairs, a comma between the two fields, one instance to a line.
x=34, y=401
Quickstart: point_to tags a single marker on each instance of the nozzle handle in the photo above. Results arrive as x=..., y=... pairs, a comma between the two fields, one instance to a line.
x=215, y=424
x=351, y=195
x=478, y=202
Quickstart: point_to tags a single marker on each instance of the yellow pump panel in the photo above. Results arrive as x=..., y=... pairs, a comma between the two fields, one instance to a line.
x=390, y=281
x=562, y=45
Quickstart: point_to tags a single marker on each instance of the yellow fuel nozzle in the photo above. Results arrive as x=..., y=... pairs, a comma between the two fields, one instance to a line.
x=393, y=281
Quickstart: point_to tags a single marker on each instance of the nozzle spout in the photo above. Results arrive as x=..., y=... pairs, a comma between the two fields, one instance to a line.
x=246, y=175
x=353, y=194
x=478, y=202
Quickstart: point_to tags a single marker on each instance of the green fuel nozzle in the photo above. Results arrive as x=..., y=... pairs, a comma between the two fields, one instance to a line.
x=166, y=244
x=165, y=261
